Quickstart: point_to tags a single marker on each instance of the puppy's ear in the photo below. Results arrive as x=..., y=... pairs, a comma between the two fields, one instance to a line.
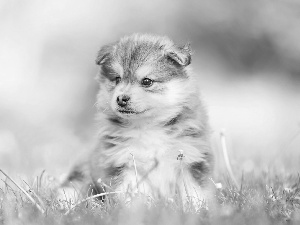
x=180, y=55
x=104, y=53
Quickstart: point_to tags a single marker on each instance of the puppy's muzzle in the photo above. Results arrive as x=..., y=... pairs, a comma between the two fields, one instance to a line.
x=122, y=100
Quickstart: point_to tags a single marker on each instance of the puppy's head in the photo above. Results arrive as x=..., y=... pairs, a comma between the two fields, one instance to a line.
x=143, y=76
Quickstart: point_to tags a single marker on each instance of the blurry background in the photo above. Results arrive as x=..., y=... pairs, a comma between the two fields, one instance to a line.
x=246, y=54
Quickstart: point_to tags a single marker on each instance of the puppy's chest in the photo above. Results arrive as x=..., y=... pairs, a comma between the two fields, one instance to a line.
x=146, y=145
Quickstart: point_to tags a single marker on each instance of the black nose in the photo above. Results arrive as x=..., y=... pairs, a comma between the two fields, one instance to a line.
x=122, y=100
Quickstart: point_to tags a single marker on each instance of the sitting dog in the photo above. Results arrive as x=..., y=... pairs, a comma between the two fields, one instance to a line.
x=153, y=129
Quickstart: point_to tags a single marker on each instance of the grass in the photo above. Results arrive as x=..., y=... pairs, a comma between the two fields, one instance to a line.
x=263, y=199
x=267, y=198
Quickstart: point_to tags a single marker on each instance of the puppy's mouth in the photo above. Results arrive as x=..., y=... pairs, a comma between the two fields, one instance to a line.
x=126, y=111
x=130, y=112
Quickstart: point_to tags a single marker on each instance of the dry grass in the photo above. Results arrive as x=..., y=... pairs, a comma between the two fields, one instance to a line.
x=268, y=198
x=264, y=199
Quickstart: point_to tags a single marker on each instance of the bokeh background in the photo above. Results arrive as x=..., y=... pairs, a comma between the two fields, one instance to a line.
x=246, y=54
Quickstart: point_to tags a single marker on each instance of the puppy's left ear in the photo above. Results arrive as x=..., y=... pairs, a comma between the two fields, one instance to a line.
x=104, y=53
x=181, y=55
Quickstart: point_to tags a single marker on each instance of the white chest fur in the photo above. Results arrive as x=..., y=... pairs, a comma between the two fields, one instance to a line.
x=145, y=144
x=155, y=157
x=155, y=153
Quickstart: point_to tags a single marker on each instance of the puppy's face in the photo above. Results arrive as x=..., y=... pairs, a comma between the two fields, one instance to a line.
x=143, y=76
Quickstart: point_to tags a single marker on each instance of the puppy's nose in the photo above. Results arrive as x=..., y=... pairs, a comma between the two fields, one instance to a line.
x=122, y=100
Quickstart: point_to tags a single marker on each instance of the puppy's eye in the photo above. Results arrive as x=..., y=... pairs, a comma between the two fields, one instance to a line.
x=118, y=79
x=147, y=82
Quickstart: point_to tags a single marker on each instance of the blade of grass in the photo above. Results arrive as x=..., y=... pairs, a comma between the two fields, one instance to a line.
x=35, y=195
x=40, y=179
x=136, y=176
x=182, y=173
x=226, y=158
x=22, y=190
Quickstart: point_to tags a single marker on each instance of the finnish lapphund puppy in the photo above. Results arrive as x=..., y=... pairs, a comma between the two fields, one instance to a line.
x=153, y=129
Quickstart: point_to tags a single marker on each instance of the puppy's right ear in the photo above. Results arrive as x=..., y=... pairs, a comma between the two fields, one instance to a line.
x=180, y=55
x=104, y=53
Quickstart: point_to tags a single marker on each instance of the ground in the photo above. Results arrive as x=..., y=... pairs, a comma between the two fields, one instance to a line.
x=260, y=199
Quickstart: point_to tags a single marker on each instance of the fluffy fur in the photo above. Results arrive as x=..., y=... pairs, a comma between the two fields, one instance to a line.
x=148, y=107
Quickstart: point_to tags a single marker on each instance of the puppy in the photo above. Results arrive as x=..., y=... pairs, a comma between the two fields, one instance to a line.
x=153, y=129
